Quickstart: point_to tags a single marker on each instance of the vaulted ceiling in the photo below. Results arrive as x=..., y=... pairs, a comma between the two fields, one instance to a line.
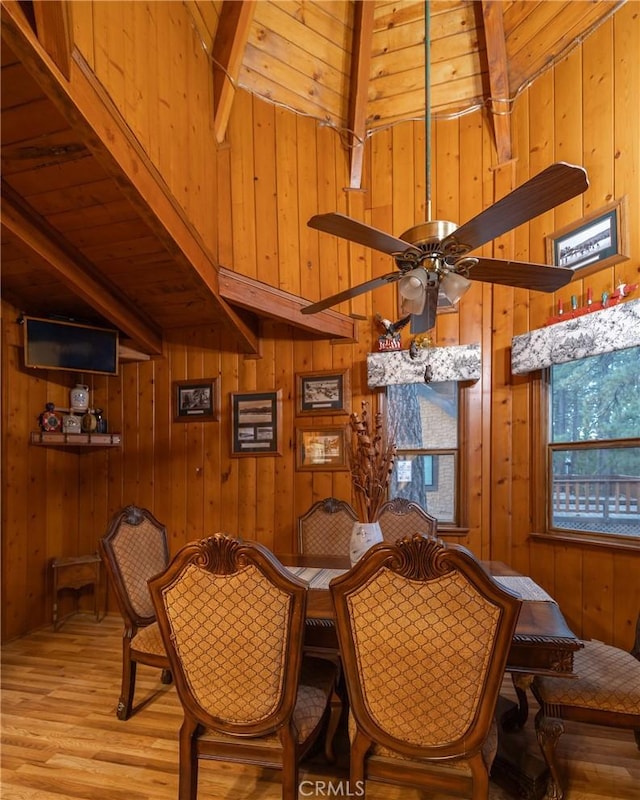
x=357, y=66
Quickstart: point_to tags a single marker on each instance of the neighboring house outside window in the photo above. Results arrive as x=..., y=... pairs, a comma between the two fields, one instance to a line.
x=425, y=421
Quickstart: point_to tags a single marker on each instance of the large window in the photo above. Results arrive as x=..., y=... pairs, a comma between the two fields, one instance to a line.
x=594, y=445
x=425, y=419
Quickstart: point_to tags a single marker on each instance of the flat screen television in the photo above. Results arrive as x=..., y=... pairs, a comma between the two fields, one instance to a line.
x=54, y=344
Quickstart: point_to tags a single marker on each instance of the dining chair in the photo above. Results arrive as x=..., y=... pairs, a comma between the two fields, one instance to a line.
x=400, y=517
x=325, y=529
x=424, y=636
x=605, y=691
x=232, y=620
x=134, y=549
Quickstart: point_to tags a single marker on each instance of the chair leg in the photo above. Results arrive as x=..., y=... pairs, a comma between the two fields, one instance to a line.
x=636, y=734
x=188, y=776
x=335, y=712
x=548, y=731
x=125, y=704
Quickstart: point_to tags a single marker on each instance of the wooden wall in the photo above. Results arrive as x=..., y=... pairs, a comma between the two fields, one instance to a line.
x=250, y=199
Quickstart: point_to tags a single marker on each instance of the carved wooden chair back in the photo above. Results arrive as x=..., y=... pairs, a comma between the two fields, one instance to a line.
x=325, y=529
x=424, y=636
x=605, y=691
x=134, y=549
x=232, y=620
x=401, y=517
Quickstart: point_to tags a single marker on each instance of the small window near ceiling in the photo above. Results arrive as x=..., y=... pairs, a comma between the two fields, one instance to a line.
x=425, y=419
x=594, y=445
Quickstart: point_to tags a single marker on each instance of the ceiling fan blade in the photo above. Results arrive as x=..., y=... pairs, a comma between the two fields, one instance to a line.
x=354, y=291
x=521, y=274
x=356, y=231
x=426, y=320
x=552, y=186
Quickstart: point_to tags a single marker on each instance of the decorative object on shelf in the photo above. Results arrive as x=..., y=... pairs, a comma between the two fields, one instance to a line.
x=79, y=397
x=371, y=451
x=101, y=422
x=390, y=339
x=88, y=422
x=623, y=290
x=71, y=423
x=49, y=419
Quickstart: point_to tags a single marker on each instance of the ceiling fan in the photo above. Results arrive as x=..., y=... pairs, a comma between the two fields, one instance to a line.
x=432, y=257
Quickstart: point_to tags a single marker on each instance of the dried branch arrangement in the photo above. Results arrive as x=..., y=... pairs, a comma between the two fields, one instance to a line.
x=371, y=451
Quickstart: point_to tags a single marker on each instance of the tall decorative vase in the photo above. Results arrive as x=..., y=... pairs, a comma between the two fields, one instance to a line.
x=363, y=536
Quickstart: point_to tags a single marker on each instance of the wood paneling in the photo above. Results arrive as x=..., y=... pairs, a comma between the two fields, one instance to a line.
x=250, y=201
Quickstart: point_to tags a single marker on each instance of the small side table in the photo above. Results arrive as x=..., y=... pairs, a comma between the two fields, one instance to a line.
x=75, y=573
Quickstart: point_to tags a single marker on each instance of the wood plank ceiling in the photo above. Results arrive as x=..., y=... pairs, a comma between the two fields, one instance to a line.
x=77, y=239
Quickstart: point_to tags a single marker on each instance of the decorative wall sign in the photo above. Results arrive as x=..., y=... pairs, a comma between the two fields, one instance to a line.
x=196, y=401
x=321, y=448
x=592, y=243
x=323, y=392
x=256, y=423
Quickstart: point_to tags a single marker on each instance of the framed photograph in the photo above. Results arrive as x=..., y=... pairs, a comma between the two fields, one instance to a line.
x=323, y=392
x=196, y=401
x=256, y=423
x=321, y=448
x=596, y=241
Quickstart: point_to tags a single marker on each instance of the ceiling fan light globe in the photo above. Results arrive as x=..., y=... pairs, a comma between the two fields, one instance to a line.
x=453, y=286
x=412, y=285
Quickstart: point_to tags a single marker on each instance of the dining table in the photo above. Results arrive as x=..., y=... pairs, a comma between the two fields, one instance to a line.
x=543, y=644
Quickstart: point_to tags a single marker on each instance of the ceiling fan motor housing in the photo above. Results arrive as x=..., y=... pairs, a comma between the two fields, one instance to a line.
x=429, y=233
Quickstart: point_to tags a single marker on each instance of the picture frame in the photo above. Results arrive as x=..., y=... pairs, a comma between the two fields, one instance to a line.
x=256, y=423
x=196, y=400
x=327, y=392
x=596, y=241
x=321, y=448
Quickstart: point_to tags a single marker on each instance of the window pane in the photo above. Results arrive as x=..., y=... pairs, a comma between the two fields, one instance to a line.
x=425, y=416
x=597, y=489
x=596, y=398
x=427, y=479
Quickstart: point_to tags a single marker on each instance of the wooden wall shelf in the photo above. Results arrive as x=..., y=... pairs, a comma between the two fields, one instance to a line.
x=50, y=439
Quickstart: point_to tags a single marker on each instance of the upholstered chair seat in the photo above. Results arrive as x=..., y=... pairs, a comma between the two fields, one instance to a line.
x=133, y=550
x=401, y=517
x=232, y=620
x=605, y=691
x=424, y=635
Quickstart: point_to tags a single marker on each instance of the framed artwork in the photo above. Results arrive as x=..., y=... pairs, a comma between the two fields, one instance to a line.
x=256, y=423
x=323, y=392
x=196, y=401
x=321, y=448
x=594, y=242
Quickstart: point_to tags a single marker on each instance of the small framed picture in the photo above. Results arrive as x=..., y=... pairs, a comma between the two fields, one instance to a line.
x=323, y=393
x=594, y=242
x=196, y=401
x=256, y=423
x=321, y=448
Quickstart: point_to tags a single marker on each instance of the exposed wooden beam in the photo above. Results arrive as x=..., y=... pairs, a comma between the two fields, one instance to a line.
x=360, y=74
x=52, y=23
x=228, y=49
x=267, y=301
x=78, y=274
x=91, y=113
x=493, y=15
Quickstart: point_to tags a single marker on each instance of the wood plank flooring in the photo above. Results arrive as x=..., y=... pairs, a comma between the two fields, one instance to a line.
x=61, y=739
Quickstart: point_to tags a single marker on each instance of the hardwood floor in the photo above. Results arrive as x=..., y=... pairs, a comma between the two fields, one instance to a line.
x=61, y=738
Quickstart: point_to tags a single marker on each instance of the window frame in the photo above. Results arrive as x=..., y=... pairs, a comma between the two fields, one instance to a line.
x=458, y=525
x=542, y=478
